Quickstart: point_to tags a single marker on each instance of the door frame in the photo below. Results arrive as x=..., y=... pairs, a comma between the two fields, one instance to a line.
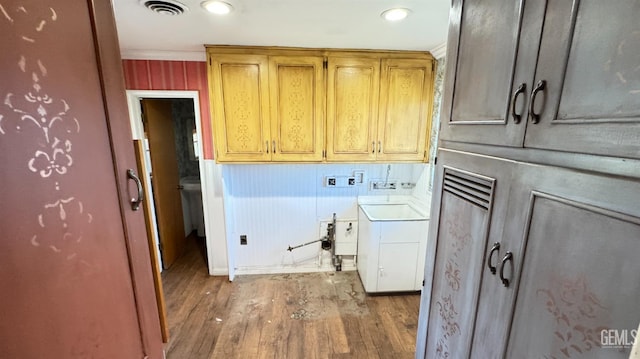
x=137, y=129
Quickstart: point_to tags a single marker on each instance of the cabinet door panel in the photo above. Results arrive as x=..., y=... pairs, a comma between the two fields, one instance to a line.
x=352, y=108
x=580, y=273
x=397, y=266
x=241, y=107
x=464, y=217
x=297, y=102
x=592, y=76
x=405, y=109
x=492, y=50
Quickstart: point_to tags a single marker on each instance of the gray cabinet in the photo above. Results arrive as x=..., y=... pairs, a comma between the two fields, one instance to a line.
x=535, y=222
x=528, y=261
x=577, y=272
x=560, y=75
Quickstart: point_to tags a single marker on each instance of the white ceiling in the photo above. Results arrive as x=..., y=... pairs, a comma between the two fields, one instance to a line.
x=300, y=23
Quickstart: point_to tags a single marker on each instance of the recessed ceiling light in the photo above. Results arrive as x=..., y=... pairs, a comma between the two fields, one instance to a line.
x=217, y=7
x=396, y=14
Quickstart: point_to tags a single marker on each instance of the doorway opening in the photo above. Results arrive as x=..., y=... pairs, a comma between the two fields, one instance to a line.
x=171, y=153
x=167, y=134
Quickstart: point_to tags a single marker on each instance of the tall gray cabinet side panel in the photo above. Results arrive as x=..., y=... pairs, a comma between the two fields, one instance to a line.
x=492, y=52
x=580, y=272
x=589, y=61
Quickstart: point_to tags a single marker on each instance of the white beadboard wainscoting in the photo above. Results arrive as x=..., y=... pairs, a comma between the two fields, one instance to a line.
x=280, y=205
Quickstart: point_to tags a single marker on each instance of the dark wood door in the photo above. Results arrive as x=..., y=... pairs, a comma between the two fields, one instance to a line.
x=165, y=178
x=75, y=279
x=590, y=68
x=492, y=52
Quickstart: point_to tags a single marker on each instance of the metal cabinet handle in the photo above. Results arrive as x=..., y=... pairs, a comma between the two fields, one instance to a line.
x=379, y=146
x=274, y=146
x=266, y=144
x=507, y=257
x=495, y=248
x=373, y=146
x=516, y=117
x=540, y=86
x=135, y=202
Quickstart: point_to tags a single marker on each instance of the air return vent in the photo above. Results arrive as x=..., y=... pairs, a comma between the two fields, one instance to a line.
x=477, y=190
x=165, y=7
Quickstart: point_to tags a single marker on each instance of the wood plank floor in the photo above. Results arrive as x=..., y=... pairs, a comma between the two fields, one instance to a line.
x=313, y=315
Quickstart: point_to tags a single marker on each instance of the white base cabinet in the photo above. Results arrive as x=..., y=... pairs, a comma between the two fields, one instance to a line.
x=390, y=254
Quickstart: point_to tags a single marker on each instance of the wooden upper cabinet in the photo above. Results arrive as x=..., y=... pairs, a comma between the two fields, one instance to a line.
x=294, y=105
x=297, y=108
x=240, y=97
x=406, y=89
x=352, y=108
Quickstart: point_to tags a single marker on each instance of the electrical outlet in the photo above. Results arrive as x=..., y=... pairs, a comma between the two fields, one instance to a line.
x=352, y=181
x=243, y=239
x=359, y=176
x=330, y=181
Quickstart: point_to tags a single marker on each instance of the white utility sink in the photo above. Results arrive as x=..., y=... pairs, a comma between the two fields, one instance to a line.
x=392, y=212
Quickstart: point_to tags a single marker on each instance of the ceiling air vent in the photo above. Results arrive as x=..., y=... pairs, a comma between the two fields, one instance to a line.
x=165, y=7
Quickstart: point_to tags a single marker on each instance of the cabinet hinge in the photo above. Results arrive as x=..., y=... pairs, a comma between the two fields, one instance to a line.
x=423, y=282
x=433, y=66
x=435, y=161
x=209, y=61
x=325, y=63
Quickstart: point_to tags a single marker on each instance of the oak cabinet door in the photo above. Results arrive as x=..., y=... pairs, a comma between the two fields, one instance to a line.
x=240, y=97
x=592, y=79
x=297, y=108
x=492, y=53
x=406, y=90
x=352, y=108
x=580, y=273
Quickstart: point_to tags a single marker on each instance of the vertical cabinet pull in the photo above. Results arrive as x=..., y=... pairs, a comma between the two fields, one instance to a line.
x=373, y=146
x=274, y=146
x=379, y=146
x=508, y=257
x=135, y=202
x=495, y=248
x=514, y=100
x=540, y=86
x=266, y=144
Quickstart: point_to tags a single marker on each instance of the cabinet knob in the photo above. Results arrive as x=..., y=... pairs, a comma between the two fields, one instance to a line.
x=508, y=257
x=540, y=86
x=495, y=248
x=514, y=100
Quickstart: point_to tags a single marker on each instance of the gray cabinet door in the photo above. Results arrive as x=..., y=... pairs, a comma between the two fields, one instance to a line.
x=468, y=210
x=591, y=99
x=580, y=272
x=492, y=52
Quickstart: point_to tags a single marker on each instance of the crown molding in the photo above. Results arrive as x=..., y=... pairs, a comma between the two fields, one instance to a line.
x=164, y=55
x=439, y=51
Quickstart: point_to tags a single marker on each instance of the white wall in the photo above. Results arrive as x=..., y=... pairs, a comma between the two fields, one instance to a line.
x=280, y=205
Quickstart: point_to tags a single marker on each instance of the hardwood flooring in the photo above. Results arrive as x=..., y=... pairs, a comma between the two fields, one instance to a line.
x=312, y=315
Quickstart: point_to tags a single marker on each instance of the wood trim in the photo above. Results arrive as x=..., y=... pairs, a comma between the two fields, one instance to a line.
x=151, y=241
x=109, y=67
